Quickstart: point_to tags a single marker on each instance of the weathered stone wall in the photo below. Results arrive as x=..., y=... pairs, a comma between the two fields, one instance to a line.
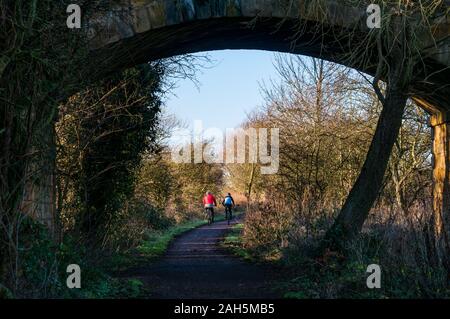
x=133, y=17
x=129, y=18
x=39, y=195
x=136, y=31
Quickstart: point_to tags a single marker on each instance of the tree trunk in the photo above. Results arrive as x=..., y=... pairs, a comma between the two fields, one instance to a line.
x=366, y=188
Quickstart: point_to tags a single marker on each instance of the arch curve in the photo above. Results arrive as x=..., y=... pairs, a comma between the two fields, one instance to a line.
x=137, y=31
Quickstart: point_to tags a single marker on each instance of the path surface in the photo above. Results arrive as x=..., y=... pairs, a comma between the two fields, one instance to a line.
x=195, y=266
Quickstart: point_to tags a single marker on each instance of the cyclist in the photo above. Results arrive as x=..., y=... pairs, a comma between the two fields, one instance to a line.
x=228, y=203
x=209, y=201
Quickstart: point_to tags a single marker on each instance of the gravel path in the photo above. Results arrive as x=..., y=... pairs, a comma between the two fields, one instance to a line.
x=195, y=266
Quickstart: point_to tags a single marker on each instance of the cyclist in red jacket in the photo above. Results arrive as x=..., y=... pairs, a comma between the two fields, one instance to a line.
x=209, y=201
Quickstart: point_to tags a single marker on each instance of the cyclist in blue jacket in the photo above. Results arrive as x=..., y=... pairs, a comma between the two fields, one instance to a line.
x=228, y=203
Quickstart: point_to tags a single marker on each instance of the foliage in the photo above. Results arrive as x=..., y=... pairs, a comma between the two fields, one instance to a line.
x=157, y=242
x=327, y=123
x=397, y=246
x=40, y=65
x=394, y=53
x=233, y=242
x=133, y=222
x=43, y=272
x=399, y=250
x=177, y=188
x=110, y=198
x=102, y=135
x=327, y=115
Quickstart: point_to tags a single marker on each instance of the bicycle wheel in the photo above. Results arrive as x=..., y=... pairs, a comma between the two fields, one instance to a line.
x=210, y=216
x=207, y=215
x=228, y=215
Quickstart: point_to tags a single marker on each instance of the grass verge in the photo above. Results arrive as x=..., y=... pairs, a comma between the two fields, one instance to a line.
x=155, y=245
x=158, y=242
x=233, y=242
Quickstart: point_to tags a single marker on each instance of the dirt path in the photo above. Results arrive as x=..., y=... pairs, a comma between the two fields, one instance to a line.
x=195, y=266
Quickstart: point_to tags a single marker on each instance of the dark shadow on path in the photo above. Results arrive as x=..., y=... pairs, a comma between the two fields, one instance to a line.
x=195, y=266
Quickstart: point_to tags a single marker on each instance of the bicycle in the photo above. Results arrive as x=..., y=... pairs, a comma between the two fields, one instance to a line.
x=210, y=214
x=228, y=213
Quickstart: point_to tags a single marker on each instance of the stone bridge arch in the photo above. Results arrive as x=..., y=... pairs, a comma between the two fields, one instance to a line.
x=137, y=31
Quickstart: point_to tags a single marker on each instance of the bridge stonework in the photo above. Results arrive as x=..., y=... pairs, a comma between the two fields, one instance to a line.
x=138, y=31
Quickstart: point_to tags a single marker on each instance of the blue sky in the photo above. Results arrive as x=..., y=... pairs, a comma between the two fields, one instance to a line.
x=227, y=91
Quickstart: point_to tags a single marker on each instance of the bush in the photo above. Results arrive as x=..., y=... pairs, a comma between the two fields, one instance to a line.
x=38, y=270
x=131, y=224
x=266, y=231
x=42, y=265
x=397, y=244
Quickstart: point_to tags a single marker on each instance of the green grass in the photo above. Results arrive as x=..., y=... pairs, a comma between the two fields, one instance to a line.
x=158, y=242
x=151, y=249
x=233, y=242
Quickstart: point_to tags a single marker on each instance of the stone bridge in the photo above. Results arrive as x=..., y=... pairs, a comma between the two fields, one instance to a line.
x=137, y=31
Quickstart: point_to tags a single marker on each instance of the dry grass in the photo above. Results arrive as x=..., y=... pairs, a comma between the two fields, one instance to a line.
x=399, y=243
